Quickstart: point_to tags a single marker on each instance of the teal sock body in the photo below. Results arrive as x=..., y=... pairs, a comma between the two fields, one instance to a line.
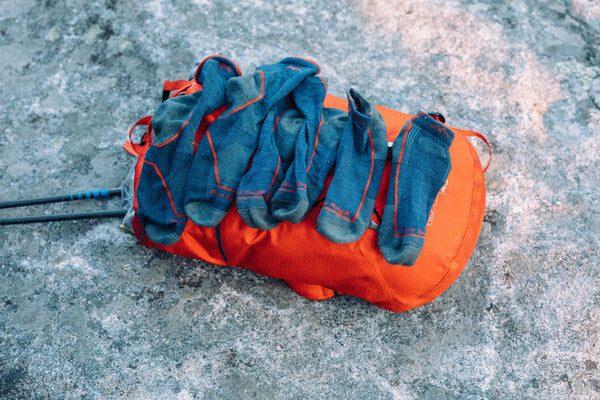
x=275, y=152
x=351, y=195
x=420, y=167
x=167, y=162
x=224, y=152
x=315, y=153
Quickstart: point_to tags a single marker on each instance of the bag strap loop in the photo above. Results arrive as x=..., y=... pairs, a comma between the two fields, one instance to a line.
x=140, y=148
x=480, y=136
x=179, y=87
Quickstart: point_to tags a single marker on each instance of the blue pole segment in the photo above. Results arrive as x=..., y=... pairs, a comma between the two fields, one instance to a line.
x=64, y=217
x=95, y=194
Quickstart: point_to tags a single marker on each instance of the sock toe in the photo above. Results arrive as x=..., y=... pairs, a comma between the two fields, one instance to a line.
x=291, y=211
x=409, y=254
x=406, y=255
x=246, y=217
x=335, y=231
x=165, y=235
x=203, y=214
x=261, y=219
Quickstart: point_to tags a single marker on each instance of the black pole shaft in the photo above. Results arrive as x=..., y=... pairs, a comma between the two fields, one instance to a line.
x=64, y=217
x=90, y=194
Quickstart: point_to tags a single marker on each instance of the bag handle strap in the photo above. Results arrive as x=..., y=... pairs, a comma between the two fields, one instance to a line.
x=480, y=136
x=140, y=148
x=175, y=85
x=179, y=87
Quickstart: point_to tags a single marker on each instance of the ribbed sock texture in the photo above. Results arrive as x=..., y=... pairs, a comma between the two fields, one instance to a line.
x=224, y=152
x=420, y=167
x=315, y=153
x=351, y=195
x=161, y=190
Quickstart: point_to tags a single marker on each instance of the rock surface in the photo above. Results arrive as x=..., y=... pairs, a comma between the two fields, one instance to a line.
x=86, y=313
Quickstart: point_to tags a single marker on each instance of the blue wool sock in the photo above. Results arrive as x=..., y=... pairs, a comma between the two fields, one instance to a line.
x=315, y=153
x=160, y=193
x=420, y=166
x=225, y=150
x=270, y=162
x=350, y=200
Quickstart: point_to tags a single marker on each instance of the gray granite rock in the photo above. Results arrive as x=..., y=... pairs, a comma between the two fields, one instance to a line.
x=86, y=313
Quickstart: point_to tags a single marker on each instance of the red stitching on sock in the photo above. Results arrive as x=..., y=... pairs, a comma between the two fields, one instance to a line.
x=165, y=186
x=173, y=138
x=216, y=168
x=316, y=143
x=274, y=176
x=370, y=175
x=411, y=234
x=262, y=92
x=406, y=130
x=440, y=129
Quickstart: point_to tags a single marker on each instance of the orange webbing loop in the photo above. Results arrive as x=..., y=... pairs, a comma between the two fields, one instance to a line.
x=140, y=148
x=480, y=136
x=185, y=87
x=129, y=148
x=179, y=91
x=179, y=87
x=176, y=85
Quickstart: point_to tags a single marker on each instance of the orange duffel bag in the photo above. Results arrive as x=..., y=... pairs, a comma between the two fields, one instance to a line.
x=316, y=268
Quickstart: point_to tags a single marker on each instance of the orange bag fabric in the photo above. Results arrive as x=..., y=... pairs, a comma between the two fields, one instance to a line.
x=318, y=269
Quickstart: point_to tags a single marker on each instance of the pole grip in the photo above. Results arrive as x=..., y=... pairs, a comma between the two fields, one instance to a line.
x=90, y=194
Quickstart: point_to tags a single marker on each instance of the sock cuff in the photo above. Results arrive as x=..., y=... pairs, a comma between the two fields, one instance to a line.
x=303, y=62
x=227, y=67
x=293, y=64
x=359, y=109
x=379, y=133
x=433, y=127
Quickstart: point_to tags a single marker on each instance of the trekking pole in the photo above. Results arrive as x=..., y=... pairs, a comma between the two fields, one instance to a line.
x=64, y=217
x=90, y=194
